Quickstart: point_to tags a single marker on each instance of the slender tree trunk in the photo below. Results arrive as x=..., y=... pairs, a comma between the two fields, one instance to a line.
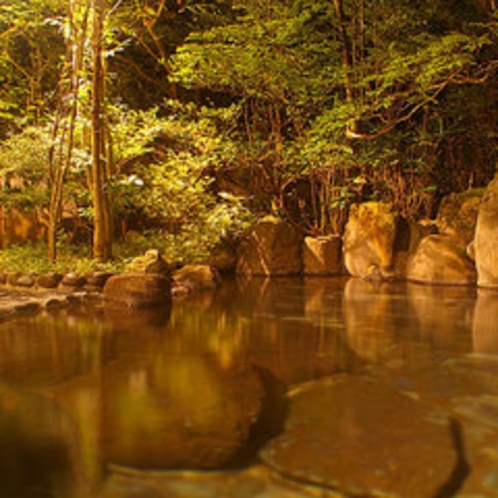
x=347, y=57
x=60, y=157
x=102, y=234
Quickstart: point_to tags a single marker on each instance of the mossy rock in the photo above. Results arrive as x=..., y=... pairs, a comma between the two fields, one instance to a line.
x=458, y=212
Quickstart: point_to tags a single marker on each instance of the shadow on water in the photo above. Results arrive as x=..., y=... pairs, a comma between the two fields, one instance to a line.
x=35, y=461
x=270, y=422
x=462, y=468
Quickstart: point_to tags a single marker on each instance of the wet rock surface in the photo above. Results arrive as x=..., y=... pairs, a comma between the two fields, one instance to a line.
x=256, y=482
x=189, y=413
x=371, y=440
x=467, y=390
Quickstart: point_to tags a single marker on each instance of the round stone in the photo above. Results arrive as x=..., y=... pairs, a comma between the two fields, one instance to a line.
x=49, y=280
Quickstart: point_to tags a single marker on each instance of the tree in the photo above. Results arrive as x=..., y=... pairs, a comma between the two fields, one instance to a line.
x=101, y=170
x=346, y=95
x=30, y=48
x=65, y=118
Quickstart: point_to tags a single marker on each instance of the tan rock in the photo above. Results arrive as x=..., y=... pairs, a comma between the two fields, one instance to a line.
x=192, y=278
x=151, y=262
x=441, y=259
x=368, y=240
x=138, y=290
x=322, y=255
x=363, y=439
x=271, y=248
x=486, y=239
x=458, y=212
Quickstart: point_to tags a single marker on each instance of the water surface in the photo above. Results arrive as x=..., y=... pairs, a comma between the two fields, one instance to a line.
x=96, y=402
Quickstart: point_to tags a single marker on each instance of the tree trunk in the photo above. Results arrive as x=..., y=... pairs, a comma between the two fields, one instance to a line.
x=102, y=231
x=61, y=151
x=347, y=58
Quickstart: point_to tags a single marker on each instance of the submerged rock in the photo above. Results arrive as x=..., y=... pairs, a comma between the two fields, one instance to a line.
x=185, y=412
x=37, y=441
x=253, y=482
x=364, y=439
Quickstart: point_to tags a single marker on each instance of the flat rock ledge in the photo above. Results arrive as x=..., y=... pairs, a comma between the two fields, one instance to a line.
x=370, y=439
x=13, y=305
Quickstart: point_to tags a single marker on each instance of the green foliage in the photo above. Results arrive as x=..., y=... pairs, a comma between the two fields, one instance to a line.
x=30, y=48
x=284, y=56
x=177, y=187
x=302, y=114
x=23, y=168
x=355, y=118
x=31, y=257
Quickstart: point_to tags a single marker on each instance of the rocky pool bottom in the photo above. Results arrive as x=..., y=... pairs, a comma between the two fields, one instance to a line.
x=283, y=388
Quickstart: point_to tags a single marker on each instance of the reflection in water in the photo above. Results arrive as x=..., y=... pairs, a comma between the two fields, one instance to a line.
x=204, y=388
x=184, y=412
x=38, y=448
x=370, y=318
x=444, y=314
x=485, y=323
x=386, y=322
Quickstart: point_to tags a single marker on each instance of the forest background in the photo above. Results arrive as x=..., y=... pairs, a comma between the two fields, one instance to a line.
x=128, y=124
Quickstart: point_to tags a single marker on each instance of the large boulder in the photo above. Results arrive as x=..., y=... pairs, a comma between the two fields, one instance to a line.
x=137, y=290
x=409, y=234
x=369, y=239
x=486, y=238
x=271, y=248
x=458, y=212
x=441, y=259
x=322, y=255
